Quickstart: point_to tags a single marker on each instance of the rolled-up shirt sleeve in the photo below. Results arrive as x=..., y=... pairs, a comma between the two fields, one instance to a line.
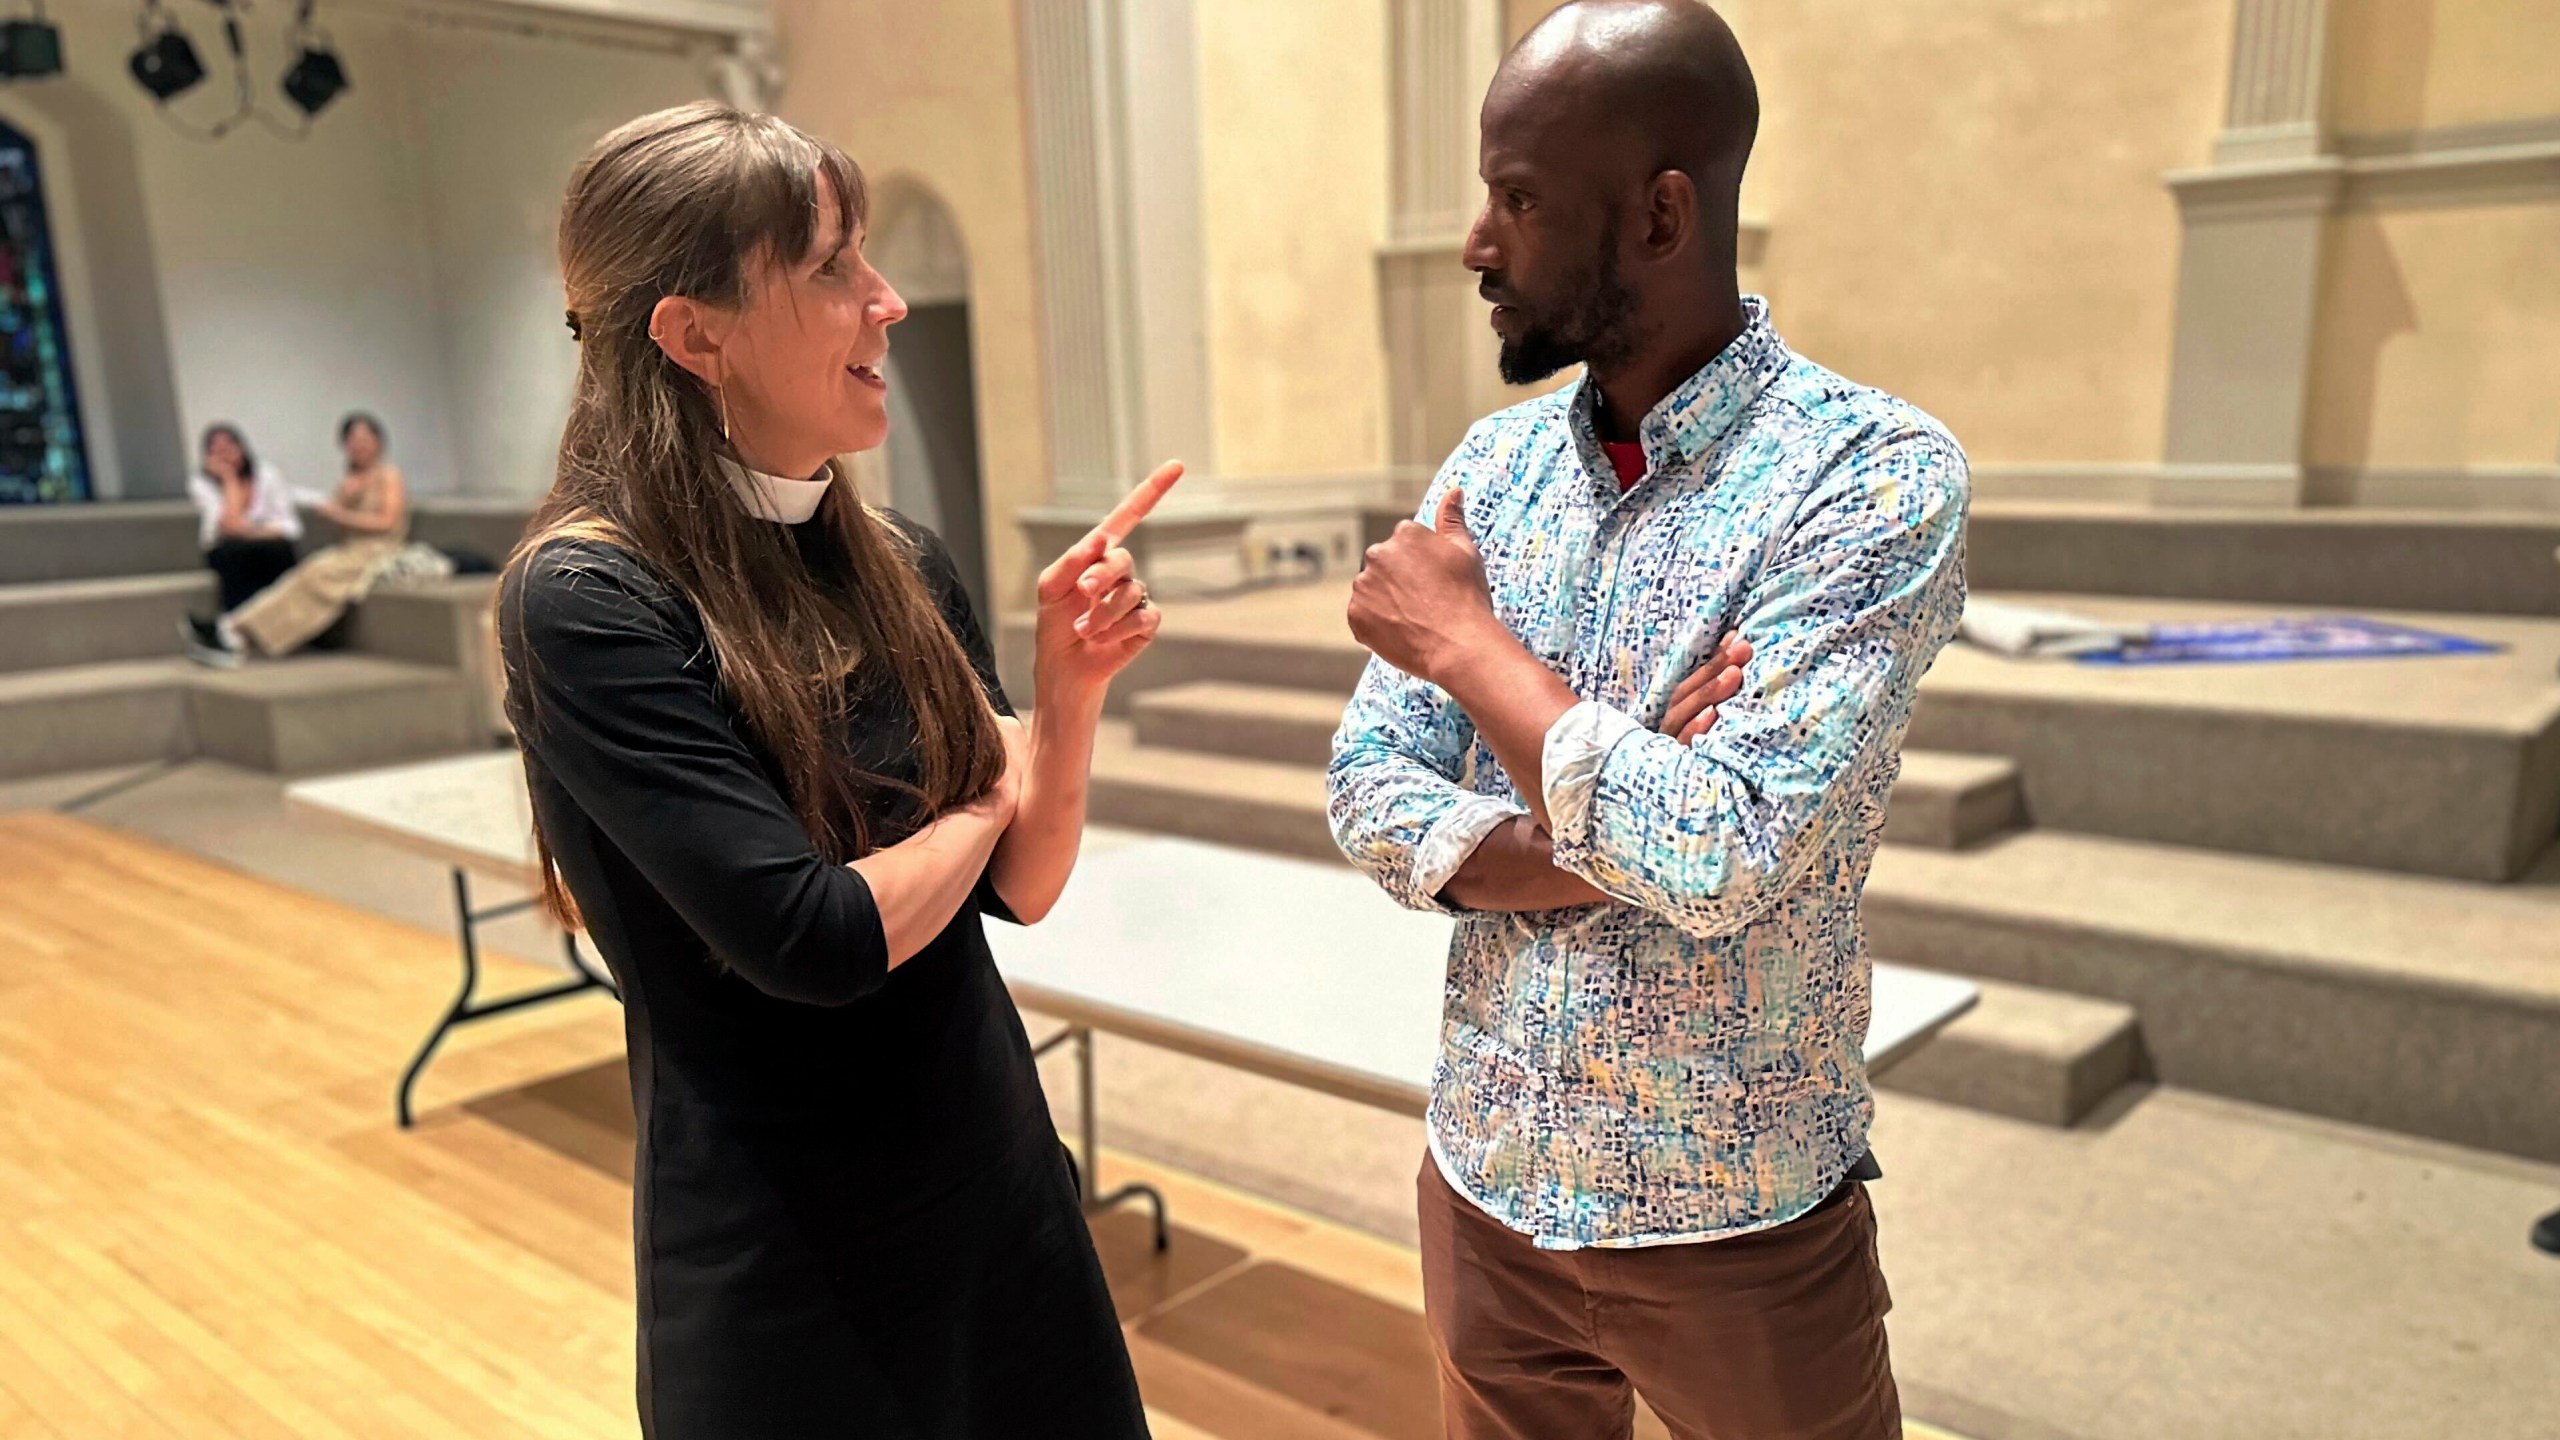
x=1866, y=589
x=1397, y=793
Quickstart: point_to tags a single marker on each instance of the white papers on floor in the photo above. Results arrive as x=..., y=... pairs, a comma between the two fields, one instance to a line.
x=2027, y=631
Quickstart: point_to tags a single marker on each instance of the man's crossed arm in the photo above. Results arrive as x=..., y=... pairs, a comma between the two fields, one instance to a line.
x=1856, y=603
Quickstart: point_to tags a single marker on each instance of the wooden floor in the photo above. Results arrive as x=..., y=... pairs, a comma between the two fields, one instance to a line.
x=209, y=1225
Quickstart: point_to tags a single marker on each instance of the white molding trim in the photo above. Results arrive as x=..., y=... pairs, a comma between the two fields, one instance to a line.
x=663, y=26
x=2452, y=487
x=2289, y=187
x=2097, y=481
x=2420, y=175
x=2465, y=488
x=1751, y=243
x=2491, y=134
x=1395, y=487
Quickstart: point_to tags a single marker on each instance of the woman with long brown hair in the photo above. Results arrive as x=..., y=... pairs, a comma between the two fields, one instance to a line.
x=771, y=773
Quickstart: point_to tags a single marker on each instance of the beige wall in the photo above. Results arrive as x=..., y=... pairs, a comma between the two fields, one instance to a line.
x=1293, y=156
x=2439, y=341
x=932, y=93
x=2399, y=65
x=1965, y=207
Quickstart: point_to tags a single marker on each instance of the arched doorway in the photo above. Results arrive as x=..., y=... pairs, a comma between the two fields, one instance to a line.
x=932, y=454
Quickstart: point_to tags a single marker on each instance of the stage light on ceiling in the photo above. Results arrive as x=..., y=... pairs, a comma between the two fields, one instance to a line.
x=30, y=49
x=316, y=77
x=165, y=62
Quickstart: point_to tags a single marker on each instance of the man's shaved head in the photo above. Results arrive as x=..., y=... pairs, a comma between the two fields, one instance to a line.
x=1663, y=79
x=1613, y=143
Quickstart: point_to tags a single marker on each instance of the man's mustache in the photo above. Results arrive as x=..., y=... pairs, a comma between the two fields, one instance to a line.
x=1493, y=293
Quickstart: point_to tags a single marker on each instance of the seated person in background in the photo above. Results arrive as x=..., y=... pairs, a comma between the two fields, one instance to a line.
x=247, y=522
x=372, y=506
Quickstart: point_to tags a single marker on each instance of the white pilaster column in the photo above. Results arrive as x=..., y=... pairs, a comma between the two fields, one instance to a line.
x=1440, y=355
x=2256, y=224
x=1113, y=94
x=2279, y=65
x=746, y=72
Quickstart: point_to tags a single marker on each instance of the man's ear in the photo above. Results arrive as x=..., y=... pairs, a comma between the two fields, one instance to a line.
x=1670, y=214
x=691, y=333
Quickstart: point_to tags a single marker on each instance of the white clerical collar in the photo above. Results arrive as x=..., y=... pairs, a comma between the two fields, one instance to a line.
x=771, y=497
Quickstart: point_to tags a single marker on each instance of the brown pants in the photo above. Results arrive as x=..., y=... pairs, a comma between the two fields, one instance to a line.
x=1777, y=1335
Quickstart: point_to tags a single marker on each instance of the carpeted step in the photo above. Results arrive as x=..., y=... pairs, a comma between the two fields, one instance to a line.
x=2353, y=559
x=1950, y=801
x=1258, y=804
x=2027, y=1053
x=1943, y=800
x=86, y=717
x=2431, y=764
x=448, y=624
x=97, y=540
x=312, y=715
x=2416, y=1004
x=2436, y=765
x=307, y=715
x=54, y=623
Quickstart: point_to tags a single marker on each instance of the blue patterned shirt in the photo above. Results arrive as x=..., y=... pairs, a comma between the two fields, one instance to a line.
x=1683, y=1064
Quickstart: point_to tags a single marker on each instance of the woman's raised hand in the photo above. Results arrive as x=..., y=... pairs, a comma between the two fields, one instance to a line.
x=1094, y=613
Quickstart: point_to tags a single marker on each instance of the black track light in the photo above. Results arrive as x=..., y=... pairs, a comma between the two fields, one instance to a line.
x=315, y=79
x=165, y=63
x=30, y=49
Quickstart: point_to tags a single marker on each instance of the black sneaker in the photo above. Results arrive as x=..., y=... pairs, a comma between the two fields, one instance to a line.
x=203, y=639
x=2546, y=1233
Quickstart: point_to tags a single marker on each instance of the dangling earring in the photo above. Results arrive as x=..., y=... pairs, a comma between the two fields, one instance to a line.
x=720, y=399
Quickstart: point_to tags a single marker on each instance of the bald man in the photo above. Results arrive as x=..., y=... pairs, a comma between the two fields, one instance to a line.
x=1649, y=1120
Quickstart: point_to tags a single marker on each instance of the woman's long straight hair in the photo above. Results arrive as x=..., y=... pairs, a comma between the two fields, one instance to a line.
x=694, y=201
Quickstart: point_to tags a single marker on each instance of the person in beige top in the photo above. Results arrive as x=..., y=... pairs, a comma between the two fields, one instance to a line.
x=371, y=506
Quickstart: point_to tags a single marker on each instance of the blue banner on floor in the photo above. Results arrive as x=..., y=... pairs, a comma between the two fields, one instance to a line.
x=2326, y=637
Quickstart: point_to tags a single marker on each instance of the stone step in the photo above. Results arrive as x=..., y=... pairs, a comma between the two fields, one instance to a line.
x=111, y=538
x=2027, y=1053
x=1290, y=637
x=2412, y=1003
x=1258, y=804
x=313, y=715
x=2466, y=563
x=1940, y=799
x=86, y=622
x=447, y=624
x=307, y=715
x=2409, y=1002
x=87, y=717
x=1948, y=801
x=97, y=540
x=1250, y=722
x=2435, y=765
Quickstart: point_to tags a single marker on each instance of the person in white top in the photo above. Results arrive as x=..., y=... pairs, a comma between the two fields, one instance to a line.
x=245, y=515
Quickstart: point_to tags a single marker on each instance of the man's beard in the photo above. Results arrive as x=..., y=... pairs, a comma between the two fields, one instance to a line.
x=1595, y=325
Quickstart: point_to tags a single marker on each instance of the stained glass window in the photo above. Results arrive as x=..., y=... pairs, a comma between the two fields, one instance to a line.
x=42, y=456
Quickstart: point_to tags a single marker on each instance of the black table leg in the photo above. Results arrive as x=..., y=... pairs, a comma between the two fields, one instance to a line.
x=465, y=1008
x=1089, y=1127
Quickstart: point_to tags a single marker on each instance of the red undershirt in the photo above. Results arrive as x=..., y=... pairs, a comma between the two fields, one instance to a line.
x=1627, y=458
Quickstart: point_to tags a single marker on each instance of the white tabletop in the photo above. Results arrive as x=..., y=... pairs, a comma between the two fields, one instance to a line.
x=471, y=811
x=1296, y=969
x=1291, y=968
